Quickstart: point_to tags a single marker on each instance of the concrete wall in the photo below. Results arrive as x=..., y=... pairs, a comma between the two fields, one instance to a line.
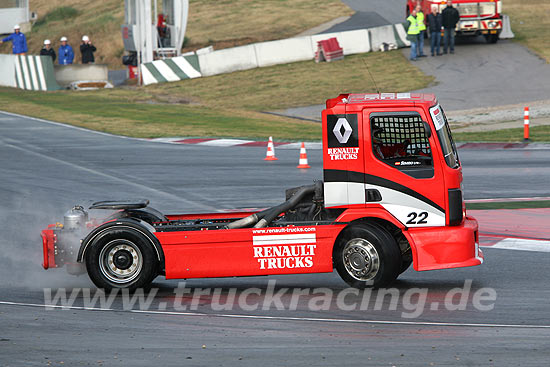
x=277, y=52
x=284, y=51
x=228, y=60
x=30, y=72
x=7, y=70
x=66, y=74
x=379, y=35
x=171, y=70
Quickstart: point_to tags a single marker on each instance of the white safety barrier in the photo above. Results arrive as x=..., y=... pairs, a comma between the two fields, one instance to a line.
x=171, y=70
x=27, y=72
x=68, y=74
x=7, y=67
x=275, y=52
x=401, y=36
x=380, y=35
x=506, y=28
x=228, y=60
x=284, y=51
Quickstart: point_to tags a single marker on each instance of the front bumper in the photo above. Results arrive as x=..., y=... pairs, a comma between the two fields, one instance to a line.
x=446, y=247
x=479, y=27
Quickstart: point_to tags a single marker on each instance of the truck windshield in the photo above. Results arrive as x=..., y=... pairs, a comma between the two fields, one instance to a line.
x=445, y=138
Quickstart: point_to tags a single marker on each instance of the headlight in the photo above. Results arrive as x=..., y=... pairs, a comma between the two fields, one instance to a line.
x=493, y=24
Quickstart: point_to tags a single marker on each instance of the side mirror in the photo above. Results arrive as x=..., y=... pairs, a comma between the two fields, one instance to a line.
x=427, y=129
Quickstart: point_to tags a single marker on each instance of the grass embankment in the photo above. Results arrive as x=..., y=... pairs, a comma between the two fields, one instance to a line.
x=531, y=24
x=221, y=23
x=227, y=105
x=537, y=134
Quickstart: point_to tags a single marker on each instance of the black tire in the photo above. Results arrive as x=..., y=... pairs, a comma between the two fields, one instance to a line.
x=367, y=256
x=491, y=38
x=121, y=258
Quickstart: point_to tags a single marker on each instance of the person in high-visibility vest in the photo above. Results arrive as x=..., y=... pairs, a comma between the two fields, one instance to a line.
x=412, y=33
x=422, y=28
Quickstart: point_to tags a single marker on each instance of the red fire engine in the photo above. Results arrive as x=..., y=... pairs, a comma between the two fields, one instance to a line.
x=391, y=196
x=477, y=17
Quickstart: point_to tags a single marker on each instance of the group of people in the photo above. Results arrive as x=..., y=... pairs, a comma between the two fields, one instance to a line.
x=65, y=51
x=436, y=21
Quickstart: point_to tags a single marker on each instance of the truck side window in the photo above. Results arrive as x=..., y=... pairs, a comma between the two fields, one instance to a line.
x=400, y=141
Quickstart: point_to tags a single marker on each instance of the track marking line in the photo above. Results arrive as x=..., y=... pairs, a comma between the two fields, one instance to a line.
x=285, y=318
x=522, y=245
x=506, y=200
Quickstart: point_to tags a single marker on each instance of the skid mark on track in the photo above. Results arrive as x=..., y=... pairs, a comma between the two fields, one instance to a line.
x=291, y=319
x=10, y=143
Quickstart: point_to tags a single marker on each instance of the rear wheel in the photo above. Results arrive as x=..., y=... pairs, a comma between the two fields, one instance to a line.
x=367, y=256
x=121, y=258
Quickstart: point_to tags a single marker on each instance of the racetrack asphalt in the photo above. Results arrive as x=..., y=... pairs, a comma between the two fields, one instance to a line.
x=46, y=168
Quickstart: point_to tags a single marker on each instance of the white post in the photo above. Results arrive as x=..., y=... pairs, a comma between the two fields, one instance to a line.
x=139, y=43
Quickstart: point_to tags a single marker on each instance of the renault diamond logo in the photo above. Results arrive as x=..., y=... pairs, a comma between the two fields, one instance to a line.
x=342, y=123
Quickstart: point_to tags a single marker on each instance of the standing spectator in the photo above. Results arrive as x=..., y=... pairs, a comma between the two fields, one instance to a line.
x=412, y=33
x=47, y=50
x=87, y=50
x=435, y=23
x=421, y=28
x=66, y=53
x=450, y=17
x=18, y=41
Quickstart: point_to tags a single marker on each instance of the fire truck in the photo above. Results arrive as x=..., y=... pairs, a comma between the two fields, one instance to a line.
x=391, y=195
x=477, y=17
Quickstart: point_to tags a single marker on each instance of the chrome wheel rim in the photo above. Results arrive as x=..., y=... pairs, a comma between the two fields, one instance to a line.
x=120, y=261
x=361, y=259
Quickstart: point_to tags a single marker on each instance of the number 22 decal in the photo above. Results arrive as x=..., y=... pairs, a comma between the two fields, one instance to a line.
x=422, y=216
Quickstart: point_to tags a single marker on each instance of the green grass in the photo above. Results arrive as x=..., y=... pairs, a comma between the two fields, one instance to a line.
x=227, y=105
x=508, y=205
x=299, y=84
x=61, y=13
x=536, y=134
x=114, y=112
x=530, y=22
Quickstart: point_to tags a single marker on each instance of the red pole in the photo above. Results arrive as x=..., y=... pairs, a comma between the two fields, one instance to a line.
x=526, y=124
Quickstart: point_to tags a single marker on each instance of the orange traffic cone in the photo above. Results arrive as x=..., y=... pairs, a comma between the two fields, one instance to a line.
x=303, y=157
x=270, y=155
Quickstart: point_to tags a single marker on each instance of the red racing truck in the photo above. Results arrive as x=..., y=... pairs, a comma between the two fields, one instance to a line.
x=391, y=196
x=477, y=17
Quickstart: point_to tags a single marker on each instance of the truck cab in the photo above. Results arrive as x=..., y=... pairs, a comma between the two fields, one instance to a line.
x=391, y=156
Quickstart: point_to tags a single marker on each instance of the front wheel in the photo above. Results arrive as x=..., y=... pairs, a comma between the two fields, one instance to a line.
x=491, y=38
x=121, y=258
x=367, y=256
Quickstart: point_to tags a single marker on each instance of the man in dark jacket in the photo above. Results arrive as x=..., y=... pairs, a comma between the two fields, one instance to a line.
x=450, y=18
x=435, y=23
x=47, y=50
x=87, y=50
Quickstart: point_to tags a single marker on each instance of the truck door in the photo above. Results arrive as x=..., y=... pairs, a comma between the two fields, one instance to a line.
x=401, y=173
